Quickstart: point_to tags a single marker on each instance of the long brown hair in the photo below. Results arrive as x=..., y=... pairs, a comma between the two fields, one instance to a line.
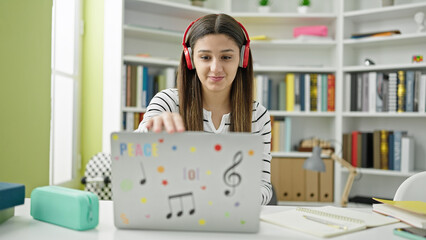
x=189, y=86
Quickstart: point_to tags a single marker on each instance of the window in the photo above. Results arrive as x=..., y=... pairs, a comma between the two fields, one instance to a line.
x=66, y=75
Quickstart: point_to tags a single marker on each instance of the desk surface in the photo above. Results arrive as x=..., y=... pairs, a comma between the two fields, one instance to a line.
x=23, y=226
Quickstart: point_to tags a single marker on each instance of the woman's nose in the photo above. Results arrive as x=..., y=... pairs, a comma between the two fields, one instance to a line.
x=216, y=65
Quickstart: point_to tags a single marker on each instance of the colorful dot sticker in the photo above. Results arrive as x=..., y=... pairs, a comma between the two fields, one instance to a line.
x=203, y=187
x=208, y=172
x=161, y=140
x=174, y=148
x=124, y=218
x=192, y=149
x=126, y=185
x=143, y=200
x=164, y=182
x=217, y=147
x=160, y=169
x=250, y=153
x=243, y=222
x=210, y=203
x=237, y=204
x=117, y=158
x=201, y=221
x=115, y=137
x=227, y=214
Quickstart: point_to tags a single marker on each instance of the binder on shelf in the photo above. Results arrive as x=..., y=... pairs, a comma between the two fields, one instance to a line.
x=289, y=80
x=326, y=188
x=376, y=150
x=298, y=179
x=285, y=189
x=312, y=186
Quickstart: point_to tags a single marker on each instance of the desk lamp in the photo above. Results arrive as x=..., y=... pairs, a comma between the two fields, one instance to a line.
x=315, y=163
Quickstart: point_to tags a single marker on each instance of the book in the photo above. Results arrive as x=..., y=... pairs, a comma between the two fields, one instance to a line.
x=379, y=92
x=409, y=90
x=384, y=149
x=410, y=233
x=401, y=92
x=331, y=82
x=413, y=219
x=289, y=80
x=417, y=207
x=407, y=154
x=326, y=221
x=375, y=34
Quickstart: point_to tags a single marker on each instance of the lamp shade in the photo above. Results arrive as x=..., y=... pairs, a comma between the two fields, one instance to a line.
x=315, y=163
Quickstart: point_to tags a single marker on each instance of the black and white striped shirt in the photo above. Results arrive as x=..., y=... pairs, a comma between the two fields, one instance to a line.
x=168, y=101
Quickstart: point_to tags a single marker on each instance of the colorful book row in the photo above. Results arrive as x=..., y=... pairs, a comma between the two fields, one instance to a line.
x=280, y=134
x=381, y=149
x=131, y=120
x=140, y=83
x=401, y=91
x=307, y=92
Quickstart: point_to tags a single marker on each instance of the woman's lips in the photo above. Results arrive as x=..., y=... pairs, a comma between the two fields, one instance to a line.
x=213, y=78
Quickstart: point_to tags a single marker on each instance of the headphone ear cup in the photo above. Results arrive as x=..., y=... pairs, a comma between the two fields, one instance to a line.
x=188, y=57
x=244, y=56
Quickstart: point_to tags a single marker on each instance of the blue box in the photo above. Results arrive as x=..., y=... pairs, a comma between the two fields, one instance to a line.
x=11, y=195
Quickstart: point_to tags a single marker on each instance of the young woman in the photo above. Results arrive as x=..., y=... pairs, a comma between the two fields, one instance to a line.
x=214, y=89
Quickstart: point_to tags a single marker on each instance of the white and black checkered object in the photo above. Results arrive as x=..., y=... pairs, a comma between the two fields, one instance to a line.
x=97, y=176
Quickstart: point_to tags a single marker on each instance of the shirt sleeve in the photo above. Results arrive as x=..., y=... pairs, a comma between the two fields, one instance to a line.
x=164, y=101
x=262, y=126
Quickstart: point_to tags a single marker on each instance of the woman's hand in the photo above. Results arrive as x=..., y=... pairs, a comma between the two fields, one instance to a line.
x=172, y=122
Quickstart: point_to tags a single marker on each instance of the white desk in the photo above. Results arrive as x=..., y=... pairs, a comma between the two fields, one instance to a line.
x=23, y=226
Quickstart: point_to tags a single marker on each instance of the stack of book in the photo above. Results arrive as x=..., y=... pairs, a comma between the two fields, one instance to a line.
x=11, y=195
x=380, y=149
x=410, y=212
x=400, y=91
x=297, y=92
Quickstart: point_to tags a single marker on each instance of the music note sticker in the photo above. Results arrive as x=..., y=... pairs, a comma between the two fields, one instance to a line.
x=143, y=180
x=231, y=177
x=176, y=203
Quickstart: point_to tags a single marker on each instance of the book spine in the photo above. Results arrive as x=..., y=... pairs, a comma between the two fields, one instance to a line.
x=324, y=94
x=379, y=92
x=401, y=92
x=409, y=97
x=391, y=155
x=422, y=94
x=282, y=96
x=302, y=91
x=355, y=148
x=347, y=96
x=288, y=134
x=384, y=150
x=392, y=97
x=407, y=154
x=308, y=92
x=372, y=79
x=331, y=93
x=397, y=150
x=376, y=150
x=365, y=92
x=354, y=95
x=297, y=92
x=313, y=92
x=290, y=91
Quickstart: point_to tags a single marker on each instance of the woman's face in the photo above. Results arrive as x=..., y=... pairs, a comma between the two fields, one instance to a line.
x=216, y=59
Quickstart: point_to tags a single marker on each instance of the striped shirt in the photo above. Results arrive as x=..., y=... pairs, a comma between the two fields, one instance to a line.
x=168, y=101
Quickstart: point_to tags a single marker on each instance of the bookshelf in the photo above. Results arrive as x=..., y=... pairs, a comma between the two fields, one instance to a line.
x=156, y=27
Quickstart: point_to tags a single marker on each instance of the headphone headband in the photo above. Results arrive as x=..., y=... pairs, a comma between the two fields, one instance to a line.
x=244, y=49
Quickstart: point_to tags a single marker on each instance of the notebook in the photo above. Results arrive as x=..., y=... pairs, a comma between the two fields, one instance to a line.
x=186, y=181
x=326, y=221
x=413, y=219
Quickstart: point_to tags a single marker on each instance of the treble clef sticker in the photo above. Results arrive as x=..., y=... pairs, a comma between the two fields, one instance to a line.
x=231, y=177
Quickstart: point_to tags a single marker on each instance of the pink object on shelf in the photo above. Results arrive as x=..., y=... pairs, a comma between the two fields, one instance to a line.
x=319, y=30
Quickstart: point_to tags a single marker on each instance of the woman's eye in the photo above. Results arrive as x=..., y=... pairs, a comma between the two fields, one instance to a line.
x=227, y=57
x=205, y=57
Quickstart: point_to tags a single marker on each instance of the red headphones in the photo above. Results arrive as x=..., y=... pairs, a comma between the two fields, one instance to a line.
x=244, y=57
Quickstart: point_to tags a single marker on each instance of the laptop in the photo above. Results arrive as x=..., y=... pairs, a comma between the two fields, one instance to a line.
x=189, y=181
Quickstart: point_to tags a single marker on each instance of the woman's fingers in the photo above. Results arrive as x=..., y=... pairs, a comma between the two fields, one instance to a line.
x=171, y=122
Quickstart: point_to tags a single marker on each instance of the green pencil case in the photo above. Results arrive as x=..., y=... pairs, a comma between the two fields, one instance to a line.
x=70, y=208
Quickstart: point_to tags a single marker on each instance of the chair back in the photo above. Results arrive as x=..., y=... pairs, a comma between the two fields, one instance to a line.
x=412, y=189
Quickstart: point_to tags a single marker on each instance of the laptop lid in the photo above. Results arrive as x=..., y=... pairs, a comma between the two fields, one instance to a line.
x=186, y=181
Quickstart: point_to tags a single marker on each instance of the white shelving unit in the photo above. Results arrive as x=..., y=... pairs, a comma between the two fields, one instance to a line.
x=156, y=27
x=390, y=54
